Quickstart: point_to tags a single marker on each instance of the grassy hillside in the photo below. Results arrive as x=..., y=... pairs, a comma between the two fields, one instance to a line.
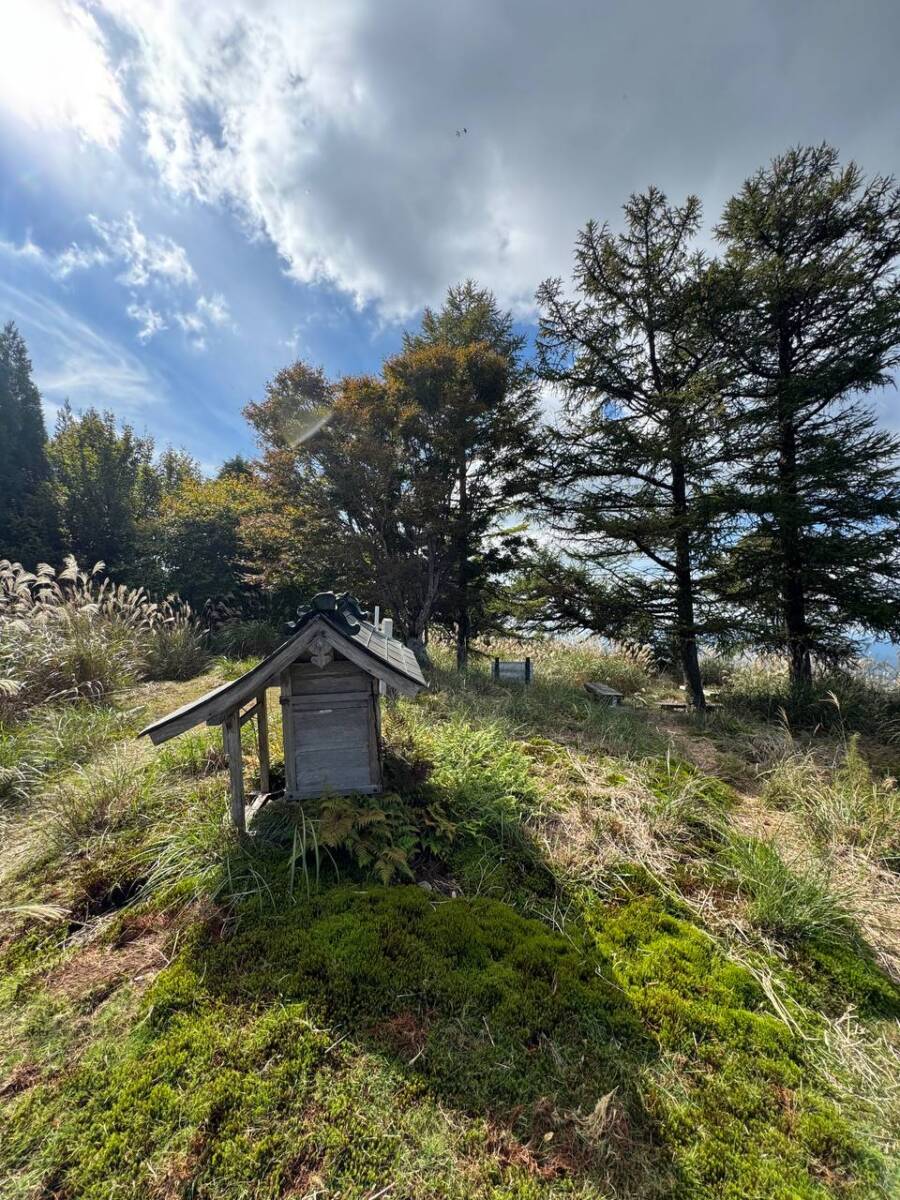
x=574, y=951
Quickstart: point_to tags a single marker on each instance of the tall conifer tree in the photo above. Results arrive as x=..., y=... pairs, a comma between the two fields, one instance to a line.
x=629, y=467
x=814, y=322
x=27, y=526
x=479, y=405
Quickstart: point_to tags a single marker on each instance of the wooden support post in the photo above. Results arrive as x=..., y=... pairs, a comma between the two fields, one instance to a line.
x=287, y=731
x=231, y=734
x=262, y=727
x=495, y=669
x=528, y=670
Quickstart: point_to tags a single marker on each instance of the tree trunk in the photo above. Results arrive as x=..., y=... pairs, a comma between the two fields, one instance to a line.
x=794, y=592
x=420, y=650
x=462, y=579
x=684, y=595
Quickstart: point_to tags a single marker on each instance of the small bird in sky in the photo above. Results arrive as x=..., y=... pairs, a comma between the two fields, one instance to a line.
x=460, y=132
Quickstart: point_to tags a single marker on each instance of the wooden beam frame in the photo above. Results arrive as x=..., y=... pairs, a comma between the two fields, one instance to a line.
x=231, y=736
x=287, y=726
x=262, y=731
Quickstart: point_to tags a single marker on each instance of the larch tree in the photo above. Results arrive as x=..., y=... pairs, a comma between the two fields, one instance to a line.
x=812, y=324
x=480, y=415
x=628, y=471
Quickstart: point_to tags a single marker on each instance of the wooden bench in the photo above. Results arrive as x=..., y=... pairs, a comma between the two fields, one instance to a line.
x=603, y=694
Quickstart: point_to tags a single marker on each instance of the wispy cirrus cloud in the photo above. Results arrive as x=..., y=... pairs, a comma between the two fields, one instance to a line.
x=163, y=285
x=73, y=362
x=151, y=322
x=208, y=313
x=78, y=258
x=60, y=266
x=143, y=258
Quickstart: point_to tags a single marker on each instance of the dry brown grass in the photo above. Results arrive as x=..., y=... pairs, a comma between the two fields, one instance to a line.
x=600, y=813
x=135, y=957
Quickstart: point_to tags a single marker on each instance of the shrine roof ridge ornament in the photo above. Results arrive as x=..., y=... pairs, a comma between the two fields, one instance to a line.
x=344, y=611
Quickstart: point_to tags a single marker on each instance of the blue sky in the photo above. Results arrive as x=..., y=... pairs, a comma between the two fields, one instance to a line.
x=194, y=192
x=227, y=313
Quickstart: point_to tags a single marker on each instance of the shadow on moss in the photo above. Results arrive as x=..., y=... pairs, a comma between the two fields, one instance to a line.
x=244, y=1068
x=626, y=1057
x=491, y=1012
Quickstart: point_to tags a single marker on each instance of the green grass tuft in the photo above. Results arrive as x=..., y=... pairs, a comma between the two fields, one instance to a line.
x=797, y=905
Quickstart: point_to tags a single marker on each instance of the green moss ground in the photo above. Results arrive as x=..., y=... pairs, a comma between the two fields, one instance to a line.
x=513, y=1030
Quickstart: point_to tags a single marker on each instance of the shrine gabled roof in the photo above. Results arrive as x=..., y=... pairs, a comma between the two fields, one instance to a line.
x=345, y=616
x=345, y=628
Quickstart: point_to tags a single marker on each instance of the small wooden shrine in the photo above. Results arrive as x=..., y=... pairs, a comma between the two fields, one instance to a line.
x=330, y=671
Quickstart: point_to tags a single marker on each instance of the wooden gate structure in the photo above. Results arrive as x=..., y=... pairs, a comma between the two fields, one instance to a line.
x=329, y=672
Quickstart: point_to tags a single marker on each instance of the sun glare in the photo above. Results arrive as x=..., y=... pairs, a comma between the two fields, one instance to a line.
x=54, y=70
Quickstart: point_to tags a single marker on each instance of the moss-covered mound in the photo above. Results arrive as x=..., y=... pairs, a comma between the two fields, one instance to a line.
x=309, y=1043
x=507, y=1010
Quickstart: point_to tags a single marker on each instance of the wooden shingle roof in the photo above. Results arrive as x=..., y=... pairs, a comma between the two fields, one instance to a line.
x=389, y=650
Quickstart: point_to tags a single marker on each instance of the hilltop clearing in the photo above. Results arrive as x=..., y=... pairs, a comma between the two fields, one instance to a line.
x=573, y=951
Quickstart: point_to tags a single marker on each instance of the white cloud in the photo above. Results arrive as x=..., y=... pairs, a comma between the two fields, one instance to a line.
x=150, y=321
x=214, y=309
x=190, y=322
x=331, y=128
x=78, y=258
x=296, y=343
x=152, y=265
x=60, y=266
x=27, y=251
x=145, y=258
x=209, y=312
x=55, y=70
